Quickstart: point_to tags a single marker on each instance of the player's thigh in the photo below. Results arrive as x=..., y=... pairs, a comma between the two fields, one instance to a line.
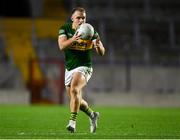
x=78, y=81
x=68, y=90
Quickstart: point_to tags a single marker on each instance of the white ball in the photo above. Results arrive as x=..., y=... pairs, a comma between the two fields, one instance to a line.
x=86, y=31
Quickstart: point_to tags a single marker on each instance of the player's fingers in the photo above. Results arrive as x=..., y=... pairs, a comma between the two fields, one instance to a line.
x=98, y=39
x=79, y=35
x=76, y=33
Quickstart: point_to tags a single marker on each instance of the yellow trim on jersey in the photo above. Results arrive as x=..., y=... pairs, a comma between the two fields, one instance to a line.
x=82, y=45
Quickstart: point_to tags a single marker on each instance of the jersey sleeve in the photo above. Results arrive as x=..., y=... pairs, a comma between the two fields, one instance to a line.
x=95, y=36
x=62, y=31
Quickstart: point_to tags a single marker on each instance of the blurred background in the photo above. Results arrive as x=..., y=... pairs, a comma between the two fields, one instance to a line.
x=141, y=66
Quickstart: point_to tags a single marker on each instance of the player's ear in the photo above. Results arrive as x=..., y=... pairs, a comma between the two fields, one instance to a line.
x=72, y=18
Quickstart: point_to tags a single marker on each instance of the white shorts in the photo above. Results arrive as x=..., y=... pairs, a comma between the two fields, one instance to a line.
x=86, y=71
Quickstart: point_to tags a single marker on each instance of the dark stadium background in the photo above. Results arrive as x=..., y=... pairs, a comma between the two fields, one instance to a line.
x=135, y=86
x=142, y=62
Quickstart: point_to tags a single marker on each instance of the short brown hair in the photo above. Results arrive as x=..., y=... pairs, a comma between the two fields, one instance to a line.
x=80, y=9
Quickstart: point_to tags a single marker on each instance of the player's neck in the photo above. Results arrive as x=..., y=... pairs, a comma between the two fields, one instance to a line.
x=74, y=26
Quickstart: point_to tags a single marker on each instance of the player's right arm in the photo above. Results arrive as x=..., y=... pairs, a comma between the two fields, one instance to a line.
x=63, y=42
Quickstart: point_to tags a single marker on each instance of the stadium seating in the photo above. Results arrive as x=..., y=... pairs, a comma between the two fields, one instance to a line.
x=148, y=28
x=19, y=45
x=54, y=9
x=136, y=33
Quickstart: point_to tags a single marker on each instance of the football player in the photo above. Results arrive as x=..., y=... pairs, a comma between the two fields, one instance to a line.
x=78, y=66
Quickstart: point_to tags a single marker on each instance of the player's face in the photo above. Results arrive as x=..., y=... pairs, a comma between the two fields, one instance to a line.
x=78, y=18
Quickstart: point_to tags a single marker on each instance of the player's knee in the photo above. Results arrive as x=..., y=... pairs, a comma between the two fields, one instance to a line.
x=74, y=91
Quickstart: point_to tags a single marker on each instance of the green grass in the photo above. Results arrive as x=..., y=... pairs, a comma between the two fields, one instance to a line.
x=49, y=122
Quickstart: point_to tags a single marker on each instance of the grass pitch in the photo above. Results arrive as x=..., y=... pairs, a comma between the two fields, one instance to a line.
x=49, y=122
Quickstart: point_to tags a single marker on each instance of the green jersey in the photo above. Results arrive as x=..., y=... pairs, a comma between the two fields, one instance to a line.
x=78, y=53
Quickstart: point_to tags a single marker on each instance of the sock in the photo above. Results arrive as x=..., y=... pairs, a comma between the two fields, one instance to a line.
x=73, y=116
x=87, y=110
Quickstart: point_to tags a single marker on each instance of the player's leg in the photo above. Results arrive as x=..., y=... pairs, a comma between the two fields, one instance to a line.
x=84, y=107
x=77, y=83
x=72, y=124
x=93, y=116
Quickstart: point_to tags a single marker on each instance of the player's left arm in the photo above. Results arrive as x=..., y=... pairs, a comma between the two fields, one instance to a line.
x=98, y=45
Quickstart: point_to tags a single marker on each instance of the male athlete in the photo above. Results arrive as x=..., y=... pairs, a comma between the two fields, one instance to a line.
x=78, y=58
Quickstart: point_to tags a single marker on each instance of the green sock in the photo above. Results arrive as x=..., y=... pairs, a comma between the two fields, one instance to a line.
x=86, y=110
x=73, y=116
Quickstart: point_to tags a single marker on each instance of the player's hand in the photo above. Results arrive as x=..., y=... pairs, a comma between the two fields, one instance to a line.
x=97, y=43
x=76, y=37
